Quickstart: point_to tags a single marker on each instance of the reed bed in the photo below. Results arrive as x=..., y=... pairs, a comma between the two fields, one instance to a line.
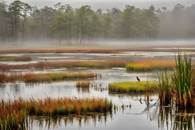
x=133, y=87
x=149, y=65
x=183, y=80
x=45, y=77
x=165, y=85
x=13, y=114
x=56, y=107
x=15, y=58
x=67, y=64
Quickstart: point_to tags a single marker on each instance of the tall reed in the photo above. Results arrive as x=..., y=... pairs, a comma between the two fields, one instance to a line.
x=165, y=88
x=183, y=80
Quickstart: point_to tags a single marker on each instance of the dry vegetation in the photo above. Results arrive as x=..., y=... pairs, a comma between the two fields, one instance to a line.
x=71, y=63
x=45, y=77
x=83, y=85
x=148, y=65
x=13, y=114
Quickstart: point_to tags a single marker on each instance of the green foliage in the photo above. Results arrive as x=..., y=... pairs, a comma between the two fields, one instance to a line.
x=165, y=87
x=65, y=23
x=183, y=79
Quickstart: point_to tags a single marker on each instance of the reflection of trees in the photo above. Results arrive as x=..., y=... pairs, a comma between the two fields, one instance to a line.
x=51, y=122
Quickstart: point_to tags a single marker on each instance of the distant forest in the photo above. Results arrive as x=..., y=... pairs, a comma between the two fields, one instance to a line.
x=19, y=20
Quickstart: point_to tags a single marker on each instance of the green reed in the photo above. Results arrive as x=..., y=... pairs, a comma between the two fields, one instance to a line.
x=183, y=80
x=165, y=85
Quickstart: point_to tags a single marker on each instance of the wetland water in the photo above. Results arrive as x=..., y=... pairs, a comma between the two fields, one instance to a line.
x=136, y=112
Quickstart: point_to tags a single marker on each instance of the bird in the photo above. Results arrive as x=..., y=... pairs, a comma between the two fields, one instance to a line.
x=138, y=79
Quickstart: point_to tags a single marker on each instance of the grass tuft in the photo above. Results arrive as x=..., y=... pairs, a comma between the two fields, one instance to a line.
x=149, y=65
x=13, y=114
x=45, y=77
x=133, y=87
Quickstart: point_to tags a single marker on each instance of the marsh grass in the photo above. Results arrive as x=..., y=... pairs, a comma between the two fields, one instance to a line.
x=15, y=58
x=13, y=114
x=83, y=85
x=150, y=65
x=183, y=80
x=67, y=64
x=165, y=85
x=45, y=77
x=133, y=87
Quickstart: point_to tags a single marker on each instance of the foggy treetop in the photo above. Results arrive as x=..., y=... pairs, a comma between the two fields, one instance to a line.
x=19, y=20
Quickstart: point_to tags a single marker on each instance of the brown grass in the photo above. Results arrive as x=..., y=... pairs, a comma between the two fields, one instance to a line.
x=45, y=77
x=53, y=107
x=71, y=63
x=83, y=85
x=13, y=114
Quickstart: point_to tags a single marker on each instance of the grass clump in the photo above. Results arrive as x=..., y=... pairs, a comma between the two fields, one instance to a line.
x=15, y=58
x=61, y=106
x=13, y=114
x=133, y=87
x=183, y=80
x=165, y=85
x=67, y=64
x=54, y=107
x=45, y=77
x=149, y=65
x=11, y=117
x=83, y=85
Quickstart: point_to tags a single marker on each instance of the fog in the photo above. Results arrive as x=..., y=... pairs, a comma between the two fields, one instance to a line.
x=127, y=23
x=124, y=44
x=105, y=4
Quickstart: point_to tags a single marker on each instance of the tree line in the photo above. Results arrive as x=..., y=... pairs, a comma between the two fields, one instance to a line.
x=19, y=20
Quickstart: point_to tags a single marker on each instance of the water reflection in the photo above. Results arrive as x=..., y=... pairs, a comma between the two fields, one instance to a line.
x=173, y=118
x=55, y=122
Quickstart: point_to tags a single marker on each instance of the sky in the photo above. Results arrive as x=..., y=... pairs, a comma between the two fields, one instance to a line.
x=106, y=4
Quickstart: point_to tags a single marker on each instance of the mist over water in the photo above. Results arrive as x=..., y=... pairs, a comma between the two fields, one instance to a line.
x=124, y=44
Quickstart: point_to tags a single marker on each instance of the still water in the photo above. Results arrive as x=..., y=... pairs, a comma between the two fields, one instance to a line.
x=132, y=112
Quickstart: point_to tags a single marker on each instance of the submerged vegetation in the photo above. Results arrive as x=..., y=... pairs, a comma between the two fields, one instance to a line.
x=133, y=87
x=45, y=77
x=148, y=65
x=13, y=114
